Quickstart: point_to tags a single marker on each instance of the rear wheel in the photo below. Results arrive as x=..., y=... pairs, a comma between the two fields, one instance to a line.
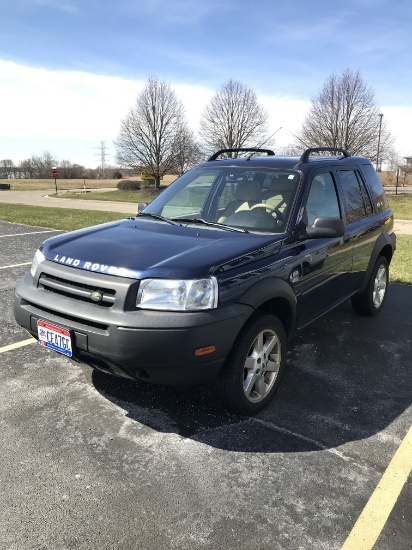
x=371, y=300
x=254, y=367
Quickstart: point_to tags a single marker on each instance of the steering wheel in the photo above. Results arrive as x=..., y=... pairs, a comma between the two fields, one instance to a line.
x=272, y=209
x=263, y=205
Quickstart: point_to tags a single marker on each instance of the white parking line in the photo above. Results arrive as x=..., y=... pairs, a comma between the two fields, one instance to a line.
x=17, y=345
x=30, y=233
x=14, y=265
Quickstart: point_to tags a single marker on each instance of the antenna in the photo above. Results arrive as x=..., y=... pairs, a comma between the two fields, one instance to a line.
x=248, y=157
x=269, y=138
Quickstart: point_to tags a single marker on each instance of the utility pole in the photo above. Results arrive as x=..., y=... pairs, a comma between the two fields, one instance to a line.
x=379, y=140
x=102, y=154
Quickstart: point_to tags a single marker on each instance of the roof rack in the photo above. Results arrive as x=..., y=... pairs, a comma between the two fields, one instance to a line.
x=241, y=149
x=305, y=157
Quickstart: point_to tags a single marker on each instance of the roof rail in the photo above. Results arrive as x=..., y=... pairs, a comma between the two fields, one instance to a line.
x=305, y=157
x=241, y=149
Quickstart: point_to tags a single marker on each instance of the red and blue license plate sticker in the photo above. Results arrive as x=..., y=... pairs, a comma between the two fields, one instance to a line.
x=55, y=338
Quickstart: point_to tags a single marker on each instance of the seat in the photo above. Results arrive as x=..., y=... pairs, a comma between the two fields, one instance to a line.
x=247, y=194
x=279, y=192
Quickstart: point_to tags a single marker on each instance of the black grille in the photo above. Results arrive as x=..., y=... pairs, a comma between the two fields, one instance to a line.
x=77, y=291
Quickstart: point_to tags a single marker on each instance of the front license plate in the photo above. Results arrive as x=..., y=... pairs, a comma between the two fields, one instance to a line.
x=55, y=338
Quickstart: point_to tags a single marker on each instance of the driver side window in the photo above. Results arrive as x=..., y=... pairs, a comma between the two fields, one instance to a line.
x=322, y=198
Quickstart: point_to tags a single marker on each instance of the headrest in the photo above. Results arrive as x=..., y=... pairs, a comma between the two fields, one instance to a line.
x=281, y=184
x=249, y=191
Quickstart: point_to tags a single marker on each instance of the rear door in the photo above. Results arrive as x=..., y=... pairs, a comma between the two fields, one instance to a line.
x=362, y=226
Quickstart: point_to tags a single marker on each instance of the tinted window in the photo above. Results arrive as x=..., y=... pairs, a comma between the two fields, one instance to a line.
x=375, y=187
x=322, y=198
x=189, y=200
x=255, y=200
x=355, y=205
x=365, y=194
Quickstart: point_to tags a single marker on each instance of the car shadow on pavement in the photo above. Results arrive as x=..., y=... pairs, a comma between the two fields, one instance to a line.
x=348, y=377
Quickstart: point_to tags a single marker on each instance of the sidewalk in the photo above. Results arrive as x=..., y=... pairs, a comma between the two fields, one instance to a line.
x=41, y=198
x=403, y=227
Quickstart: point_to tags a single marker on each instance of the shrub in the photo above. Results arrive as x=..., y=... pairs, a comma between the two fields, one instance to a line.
x=130, y=185
x=117, y=175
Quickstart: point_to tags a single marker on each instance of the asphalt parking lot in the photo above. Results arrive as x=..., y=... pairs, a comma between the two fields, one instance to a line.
x=90, y=461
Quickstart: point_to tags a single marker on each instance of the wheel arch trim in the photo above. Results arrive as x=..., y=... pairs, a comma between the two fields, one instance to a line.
x=268, y=291
x=384, y=246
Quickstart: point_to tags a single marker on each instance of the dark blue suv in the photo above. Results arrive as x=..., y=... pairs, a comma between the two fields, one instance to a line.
x=210, y=280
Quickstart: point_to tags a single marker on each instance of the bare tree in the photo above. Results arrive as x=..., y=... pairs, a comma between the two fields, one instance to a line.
x=345, y=114
x=234, y=119
x=27, y=168
x=7, y=167
x=292, y=149
x=38, y=166
x=187, y=151
x=43, y=165
x=149, y=132
x=393, y=159
x=70, y=170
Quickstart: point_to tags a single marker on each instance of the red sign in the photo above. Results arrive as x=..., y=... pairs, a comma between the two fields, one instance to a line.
x=55, y=174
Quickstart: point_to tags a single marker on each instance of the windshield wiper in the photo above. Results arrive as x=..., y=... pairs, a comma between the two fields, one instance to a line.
x=214, y=224
x=157, y=217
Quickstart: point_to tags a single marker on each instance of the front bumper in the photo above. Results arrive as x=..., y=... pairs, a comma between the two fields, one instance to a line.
x=153, y=346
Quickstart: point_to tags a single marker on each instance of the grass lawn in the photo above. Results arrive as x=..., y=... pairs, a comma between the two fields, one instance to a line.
x=119, y=196
x=400, y=269
x=46, y=184
x=66, y=219
x=401, y=205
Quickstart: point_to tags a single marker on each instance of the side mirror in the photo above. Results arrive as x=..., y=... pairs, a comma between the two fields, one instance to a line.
x=141, y=206
x=326, y=228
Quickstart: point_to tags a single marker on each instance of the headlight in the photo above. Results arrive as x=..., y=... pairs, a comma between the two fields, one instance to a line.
x=178, y=294
x=37, y=260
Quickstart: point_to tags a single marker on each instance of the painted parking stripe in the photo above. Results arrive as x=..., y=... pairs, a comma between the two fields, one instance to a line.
x=30, y=233
x=376, y=512
x=14, y=265
x=18, y=345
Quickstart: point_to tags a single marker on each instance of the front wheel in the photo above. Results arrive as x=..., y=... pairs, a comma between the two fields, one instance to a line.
x=371, y=300
x=253, y=369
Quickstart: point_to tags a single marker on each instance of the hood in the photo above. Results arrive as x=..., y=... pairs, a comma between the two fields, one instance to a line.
x=146, y=248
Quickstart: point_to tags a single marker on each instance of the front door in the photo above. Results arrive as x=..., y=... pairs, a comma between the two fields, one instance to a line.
x=326, y=264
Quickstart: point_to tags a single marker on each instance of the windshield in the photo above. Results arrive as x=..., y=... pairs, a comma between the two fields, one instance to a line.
x=252, y=200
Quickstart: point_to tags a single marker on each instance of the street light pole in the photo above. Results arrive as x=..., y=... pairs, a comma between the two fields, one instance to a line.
x=379, y=140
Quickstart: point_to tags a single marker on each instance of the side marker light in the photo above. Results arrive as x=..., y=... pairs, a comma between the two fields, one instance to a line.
x=204, y=351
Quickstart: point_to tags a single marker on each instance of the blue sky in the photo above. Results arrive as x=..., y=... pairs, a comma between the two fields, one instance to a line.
x=71, y=69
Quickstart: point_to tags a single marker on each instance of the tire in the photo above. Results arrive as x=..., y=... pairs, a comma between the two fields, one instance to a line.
x=371, y=300
x=254, y=367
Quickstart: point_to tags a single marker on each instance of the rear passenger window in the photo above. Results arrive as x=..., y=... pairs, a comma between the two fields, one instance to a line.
x=322, y=198
x=356, y=197
x=375, y=187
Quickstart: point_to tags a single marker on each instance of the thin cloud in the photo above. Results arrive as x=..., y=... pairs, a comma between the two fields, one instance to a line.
x=42, y=103
x=175, y=12
x=60, y=5
x=54, y=110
